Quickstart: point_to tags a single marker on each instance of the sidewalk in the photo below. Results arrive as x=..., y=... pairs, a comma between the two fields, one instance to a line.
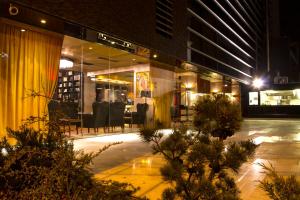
x=144, y=172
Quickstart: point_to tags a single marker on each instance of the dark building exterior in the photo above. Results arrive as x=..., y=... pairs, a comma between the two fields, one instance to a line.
x=279, y=96
x=198, y=47
x=227, y=36
x=223, y=36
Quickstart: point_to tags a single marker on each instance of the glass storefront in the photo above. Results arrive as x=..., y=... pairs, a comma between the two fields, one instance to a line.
x=280, y=97
x=110, y=86
x=97, y=87
x=275, y=98
x=253, y=98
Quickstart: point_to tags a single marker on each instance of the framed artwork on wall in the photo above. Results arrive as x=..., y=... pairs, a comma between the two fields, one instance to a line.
x=142, y=83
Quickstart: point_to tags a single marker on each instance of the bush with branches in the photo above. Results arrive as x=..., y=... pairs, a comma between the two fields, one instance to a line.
x=218, y=116
x=42, y=164
x=279, y=187
x=197, y=165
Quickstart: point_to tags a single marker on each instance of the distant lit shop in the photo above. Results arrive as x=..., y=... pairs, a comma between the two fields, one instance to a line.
x=277, y=100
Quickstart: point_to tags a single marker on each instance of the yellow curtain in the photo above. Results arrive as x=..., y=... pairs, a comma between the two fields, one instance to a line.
x=163, y=108
x=29, y=62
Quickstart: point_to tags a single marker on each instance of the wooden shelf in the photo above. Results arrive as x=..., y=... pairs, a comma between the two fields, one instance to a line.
x=69, y=86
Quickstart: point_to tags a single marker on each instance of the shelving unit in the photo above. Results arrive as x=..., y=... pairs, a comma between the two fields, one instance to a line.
x=69, y=86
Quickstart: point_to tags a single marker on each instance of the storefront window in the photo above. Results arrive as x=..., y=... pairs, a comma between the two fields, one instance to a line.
x=253, y=98
x=280, y=97
x=108, y=85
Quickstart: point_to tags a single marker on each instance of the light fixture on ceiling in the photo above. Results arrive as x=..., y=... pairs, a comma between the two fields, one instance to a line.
x=23, y=30
x=43, y=21
x=90, y=48
x=65, y=63
x=113, y=42
x=155, y=55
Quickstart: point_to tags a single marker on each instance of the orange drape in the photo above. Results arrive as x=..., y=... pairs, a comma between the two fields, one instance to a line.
x=29, y=62
x=162, y=106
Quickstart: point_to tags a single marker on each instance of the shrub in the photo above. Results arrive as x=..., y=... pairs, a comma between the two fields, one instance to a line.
x=197, y=165
x=44, y=165
x=218, y=116
x=279, y=187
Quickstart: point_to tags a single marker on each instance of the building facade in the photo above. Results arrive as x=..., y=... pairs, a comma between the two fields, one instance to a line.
x=279, y=95
x=125, y=63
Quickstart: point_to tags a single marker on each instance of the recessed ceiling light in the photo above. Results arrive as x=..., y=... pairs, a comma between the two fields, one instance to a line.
x=23, y=30
x=133, y=59
x=155, y=55
x=113, y=42
x=90, y=48
x=43, y=21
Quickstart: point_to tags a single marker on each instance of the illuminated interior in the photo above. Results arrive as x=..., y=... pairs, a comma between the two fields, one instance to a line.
x=253, y=98
x=280, y=97
x=79, y=75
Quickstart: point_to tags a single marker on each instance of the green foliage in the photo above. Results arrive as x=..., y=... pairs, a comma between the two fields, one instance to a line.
x=198, y=165
x=44, y=165
x=218, y=116
x=279, y=187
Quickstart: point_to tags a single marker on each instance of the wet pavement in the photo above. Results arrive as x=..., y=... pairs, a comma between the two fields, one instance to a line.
x=132, y=161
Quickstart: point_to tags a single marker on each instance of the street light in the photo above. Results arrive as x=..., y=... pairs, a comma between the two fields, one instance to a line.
x=258, y=83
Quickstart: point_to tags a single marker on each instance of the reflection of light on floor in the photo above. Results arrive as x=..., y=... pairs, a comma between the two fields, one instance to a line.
x=143, y=163
x=263, y=131
x=147, y=162
x=255, y=165
x=254, y=169
x=115, y=138
x=128, y=137
x=166, y=131
x=296, y=137
x=252, y=132
x=271, y=139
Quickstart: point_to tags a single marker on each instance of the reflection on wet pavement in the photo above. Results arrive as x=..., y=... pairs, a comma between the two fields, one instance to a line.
x=132, y=161
x=143, y=172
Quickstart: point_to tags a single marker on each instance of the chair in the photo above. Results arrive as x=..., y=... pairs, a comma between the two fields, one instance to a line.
x=116, y=115
x=98, y=119
x=54, y=111
x=139, y=117
x=64, y=113
x=69, y=109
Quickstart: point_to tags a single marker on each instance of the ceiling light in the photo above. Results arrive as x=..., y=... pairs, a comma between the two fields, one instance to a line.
x=112, y=42
x=65, y=63
x=155, y=56
x=43, y=21
x=133, y=59
x=23, y=30
x=90, y=48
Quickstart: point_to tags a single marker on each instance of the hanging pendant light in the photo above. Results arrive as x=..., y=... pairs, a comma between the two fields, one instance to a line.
x=65, y=63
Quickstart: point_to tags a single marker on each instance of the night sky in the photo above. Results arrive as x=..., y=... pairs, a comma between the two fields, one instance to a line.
x=290, y=18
